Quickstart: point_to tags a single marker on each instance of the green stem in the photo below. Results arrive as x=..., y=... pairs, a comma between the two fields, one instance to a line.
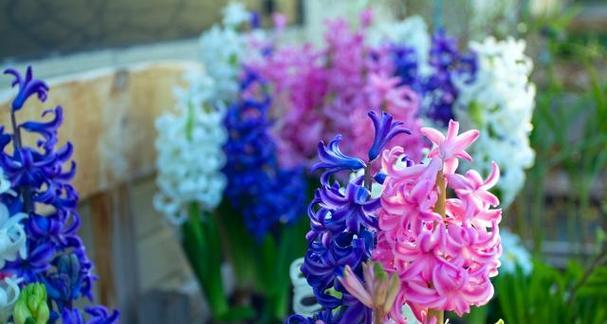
x=598, y=260
x=368, y=179
x=378, y=317
x=441, y=208
x=441, y=204
x=203, y=249
x=239, y=246
x=438, y=314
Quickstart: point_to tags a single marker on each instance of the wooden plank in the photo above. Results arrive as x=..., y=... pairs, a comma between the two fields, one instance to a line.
x=148, y=220
x=101, y=212
x=159, y=256
x=125, y=254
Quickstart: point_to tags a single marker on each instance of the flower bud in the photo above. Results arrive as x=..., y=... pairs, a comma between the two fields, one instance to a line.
x=32, y=305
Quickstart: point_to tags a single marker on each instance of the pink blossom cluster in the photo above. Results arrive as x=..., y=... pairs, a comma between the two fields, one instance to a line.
x=318, y=93
x=299, y=88
x=444, y=250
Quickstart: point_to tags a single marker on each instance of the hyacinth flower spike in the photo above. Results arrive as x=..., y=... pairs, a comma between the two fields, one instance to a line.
x=341, y=238
x=265, y=201
x=54, y=254
x=443, y=250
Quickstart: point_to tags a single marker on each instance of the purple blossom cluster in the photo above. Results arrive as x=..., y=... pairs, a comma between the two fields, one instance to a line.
x=41, y=188
x=266, y=193
x=437, y=87
x=343, y=224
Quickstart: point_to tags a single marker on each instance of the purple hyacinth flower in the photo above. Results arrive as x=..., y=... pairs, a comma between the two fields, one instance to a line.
x=101, y=315
x=385, y=130
x=323, y=317
x=343, y=223
x=28, y=86
x=71, y=316
x=255, y=20
x=332, y=160
x=266, y=193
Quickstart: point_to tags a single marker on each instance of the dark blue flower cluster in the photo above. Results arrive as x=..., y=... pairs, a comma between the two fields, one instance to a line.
x=343, y=225
x=406, y=66
x=437, y=89
x=265, y=193
x=41, y=187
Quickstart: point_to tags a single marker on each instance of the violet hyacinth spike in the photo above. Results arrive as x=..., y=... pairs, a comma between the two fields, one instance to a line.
x=39, y=175
x=28, y=86
x=385, y=130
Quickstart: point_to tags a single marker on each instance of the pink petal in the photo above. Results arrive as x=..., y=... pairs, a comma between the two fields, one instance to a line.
x=493, y=177
x=453, y=129
x=355, y=287
x=433, y=135
x=451, y=165
x=488, y=198
x=475, y=178
x=465, y=139
x=459, y=182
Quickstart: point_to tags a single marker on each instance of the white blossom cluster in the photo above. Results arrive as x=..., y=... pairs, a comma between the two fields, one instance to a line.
x=190, y=151
x=500, y=104
x=222, y=49
x=9, y=293
x=13, y=241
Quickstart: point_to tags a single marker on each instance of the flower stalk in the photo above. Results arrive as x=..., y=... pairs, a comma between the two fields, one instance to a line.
x=201, y=244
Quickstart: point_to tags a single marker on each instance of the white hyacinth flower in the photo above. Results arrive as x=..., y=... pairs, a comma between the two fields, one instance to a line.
x=500, y=104
x=221, y=53
x=9, y=293
x=190, y=152
x=5, y=184
x=514, y=254
x=235, y=14
x=12, y=236
x=302, y=291
x=222, y=49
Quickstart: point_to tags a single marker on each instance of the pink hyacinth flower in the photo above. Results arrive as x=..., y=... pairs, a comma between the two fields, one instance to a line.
x=356, y=288
x=444, y=250
x=474, y=188
x=451, y=147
